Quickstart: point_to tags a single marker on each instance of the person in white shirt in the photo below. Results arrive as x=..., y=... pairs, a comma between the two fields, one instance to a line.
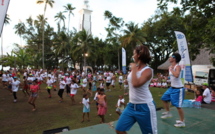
x=141, y=107
x=68, y=82
x=73, y=90
x=120, y=81
x=174, y=94
x=84, y=84
x=15, y=87
x=113, y=79
x=62, y=85
x=49, y=86
x=206, y=94
x=108, y=82
x=120, y=105
x=4, y=79
x=86, y=108
x=159, y=84
x=125, y=86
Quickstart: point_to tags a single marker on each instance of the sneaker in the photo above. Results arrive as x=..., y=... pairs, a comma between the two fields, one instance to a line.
x=178, y=121
x=164, y=113
x=180, y=124
x=168, y=115
x=14, y=101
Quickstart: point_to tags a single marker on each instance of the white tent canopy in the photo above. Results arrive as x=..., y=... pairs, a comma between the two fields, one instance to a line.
x=202, y=59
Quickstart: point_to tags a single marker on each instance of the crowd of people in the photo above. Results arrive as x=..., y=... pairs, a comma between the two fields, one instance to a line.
x=30, y=81
x=140, y=107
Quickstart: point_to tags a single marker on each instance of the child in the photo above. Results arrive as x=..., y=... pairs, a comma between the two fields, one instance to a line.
x=73, y=90
x=212, y=93
x=199, y=96
x=102, y=105
x=120, y=81
x=62, y=85
x=102, y=84
x=96, y=98
x=25, y=86
x=125, y=86
x=90, y=86
x=86, y=108
x=34, y=94
x=49, y=86
x=94, y=86
x=120, y=105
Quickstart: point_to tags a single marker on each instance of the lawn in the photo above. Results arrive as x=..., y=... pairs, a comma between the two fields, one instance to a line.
x=17, y=118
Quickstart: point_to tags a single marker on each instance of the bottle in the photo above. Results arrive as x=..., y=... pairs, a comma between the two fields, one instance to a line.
x=197, y=104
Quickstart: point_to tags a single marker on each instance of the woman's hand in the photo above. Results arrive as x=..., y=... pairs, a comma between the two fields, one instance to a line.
x=133, y=66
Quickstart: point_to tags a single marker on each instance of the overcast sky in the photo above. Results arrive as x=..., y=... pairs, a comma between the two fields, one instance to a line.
x=137, y=11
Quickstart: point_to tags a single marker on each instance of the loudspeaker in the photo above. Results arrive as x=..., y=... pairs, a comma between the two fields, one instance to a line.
x=56, y=130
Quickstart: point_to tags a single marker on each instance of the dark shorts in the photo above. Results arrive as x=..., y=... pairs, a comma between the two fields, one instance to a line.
x=10, y=86
x=107, y=84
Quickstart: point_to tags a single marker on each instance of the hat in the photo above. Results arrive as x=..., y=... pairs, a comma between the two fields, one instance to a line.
x=66, y=74
x=204, y=84
x=15, y=77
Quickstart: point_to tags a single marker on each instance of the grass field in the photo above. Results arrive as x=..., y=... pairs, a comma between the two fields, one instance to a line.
x=17, y=118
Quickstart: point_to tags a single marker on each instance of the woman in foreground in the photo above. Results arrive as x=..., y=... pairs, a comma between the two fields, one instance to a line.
x=140, y=108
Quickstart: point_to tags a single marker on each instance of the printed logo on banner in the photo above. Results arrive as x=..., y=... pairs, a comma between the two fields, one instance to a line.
x=180, y=36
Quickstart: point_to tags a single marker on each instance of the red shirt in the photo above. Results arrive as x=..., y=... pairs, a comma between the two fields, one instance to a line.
x=199, y=98
x=34, y=88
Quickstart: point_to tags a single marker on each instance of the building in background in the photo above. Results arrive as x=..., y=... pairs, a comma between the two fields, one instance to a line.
x=85, y=18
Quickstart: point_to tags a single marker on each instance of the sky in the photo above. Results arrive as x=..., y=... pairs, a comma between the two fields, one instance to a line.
x=137, y=11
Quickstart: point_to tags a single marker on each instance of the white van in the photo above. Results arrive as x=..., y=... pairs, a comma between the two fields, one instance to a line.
x=201, y=73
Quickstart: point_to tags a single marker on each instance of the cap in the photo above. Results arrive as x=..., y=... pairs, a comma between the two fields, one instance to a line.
x=15, y=77
x=204, y=84
x=66, y=74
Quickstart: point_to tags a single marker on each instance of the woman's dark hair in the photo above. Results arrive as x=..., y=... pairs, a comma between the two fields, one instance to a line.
x=144, y=53
x=200, y=92
x=177, y=57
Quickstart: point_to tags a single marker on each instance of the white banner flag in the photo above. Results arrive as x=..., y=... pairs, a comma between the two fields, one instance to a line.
x=186, y=73
x=3, y=10
x=123, y=61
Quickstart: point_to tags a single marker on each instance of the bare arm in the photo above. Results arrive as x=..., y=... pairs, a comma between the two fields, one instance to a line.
x=177, y=71
x=145, y=76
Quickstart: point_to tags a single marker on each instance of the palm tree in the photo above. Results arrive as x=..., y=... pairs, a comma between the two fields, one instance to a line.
x=6, y=21
x=69, y=9
x=84, y=45
x=50, y=3
x=114, y=27
x=133, y=35
x=23, y=59
x=60, y=17
x=20, y=30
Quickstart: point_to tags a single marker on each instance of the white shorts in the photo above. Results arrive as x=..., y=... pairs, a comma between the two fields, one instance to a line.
x=113, y=82
x=84, y=85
